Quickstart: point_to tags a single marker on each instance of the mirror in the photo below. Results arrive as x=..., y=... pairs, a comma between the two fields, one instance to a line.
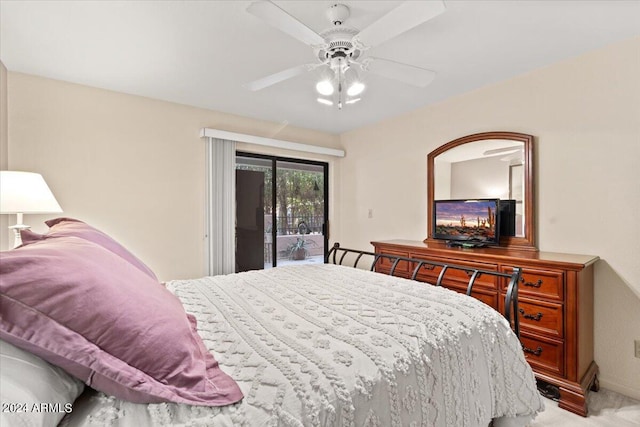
x=486, y=165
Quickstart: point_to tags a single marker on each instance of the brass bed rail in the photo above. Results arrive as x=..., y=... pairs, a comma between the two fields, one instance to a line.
x=511, y=298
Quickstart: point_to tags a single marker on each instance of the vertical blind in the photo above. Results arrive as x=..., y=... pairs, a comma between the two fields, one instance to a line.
x=220, y=206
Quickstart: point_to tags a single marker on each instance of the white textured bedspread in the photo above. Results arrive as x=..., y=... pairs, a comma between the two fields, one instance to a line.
x=325, y=345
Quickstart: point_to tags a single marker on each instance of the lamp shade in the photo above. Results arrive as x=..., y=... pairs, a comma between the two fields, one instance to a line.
x=26, y=193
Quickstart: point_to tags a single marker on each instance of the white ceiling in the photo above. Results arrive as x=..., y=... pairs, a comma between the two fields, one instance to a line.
x=200, y=53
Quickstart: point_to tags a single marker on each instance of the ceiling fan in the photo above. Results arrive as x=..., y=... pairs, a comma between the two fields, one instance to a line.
x=340, y=48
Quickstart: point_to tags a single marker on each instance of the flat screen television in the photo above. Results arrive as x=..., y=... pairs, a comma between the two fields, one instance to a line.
x=474, y=221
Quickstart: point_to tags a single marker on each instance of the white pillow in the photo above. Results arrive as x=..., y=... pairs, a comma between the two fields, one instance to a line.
x=33, y=392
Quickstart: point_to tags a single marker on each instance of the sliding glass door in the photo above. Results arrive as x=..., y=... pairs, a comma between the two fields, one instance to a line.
x=281, y=211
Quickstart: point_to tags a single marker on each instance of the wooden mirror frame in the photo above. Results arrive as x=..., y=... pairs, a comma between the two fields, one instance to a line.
x=528, y=242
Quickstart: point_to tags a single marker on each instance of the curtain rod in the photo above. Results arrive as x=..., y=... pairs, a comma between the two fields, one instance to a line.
x=270, y=142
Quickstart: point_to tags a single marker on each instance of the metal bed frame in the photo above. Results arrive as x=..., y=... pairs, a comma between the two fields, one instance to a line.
x=511, y=298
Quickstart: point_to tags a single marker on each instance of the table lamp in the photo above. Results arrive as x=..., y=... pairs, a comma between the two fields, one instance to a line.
x=25, y=193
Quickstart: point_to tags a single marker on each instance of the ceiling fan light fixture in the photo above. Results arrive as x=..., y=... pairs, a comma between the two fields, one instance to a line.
x=355, y=88
x=353, y=83
x=352, y=101
x=325, y=101
x=325, y=87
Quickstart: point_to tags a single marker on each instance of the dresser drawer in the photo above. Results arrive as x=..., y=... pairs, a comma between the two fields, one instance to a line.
x=454, y=277
x=539, y=283
x=384, y=264
x=543, y=354
x=541, y=317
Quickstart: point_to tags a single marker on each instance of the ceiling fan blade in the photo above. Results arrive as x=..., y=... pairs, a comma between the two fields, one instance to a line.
x=403, y=18
x=277, y=77
x=281, y=20
x=405, y=73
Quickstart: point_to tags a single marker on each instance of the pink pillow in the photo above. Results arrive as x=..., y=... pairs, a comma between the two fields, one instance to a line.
x=66, y=227
x=83, y=308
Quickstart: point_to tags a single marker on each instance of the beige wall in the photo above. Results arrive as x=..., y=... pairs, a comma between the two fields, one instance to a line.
x=585, y=114
x=4, y=134
x=4, y=150
x=131, y=166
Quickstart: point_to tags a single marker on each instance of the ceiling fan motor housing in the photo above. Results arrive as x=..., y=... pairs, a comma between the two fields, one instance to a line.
x=339, y=44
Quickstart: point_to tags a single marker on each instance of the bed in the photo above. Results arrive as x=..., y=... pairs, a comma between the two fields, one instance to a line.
x=308, y=345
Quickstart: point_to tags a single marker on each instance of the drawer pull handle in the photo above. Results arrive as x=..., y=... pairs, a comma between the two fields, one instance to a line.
x=532, y=284
x=535, y=317
x=536, y=352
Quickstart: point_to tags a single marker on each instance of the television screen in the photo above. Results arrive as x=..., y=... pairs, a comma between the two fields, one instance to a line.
x=474, y=221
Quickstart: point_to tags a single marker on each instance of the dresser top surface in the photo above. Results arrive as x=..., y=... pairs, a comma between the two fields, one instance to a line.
x=492, y=252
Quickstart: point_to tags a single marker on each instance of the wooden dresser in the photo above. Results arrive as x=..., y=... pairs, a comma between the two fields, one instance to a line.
x=555, y=299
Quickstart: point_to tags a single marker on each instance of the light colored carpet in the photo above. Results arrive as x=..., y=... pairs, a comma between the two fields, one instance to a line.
x=606, y=409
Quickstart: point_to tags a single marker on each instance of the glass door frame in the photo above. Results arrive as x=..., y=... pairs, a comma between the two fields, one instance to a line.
x=274, y=161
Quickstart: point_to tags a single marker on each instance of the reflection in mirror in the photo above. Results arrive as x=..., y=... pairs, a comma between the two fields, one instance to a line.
x=486, y=166
x=490, y=168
